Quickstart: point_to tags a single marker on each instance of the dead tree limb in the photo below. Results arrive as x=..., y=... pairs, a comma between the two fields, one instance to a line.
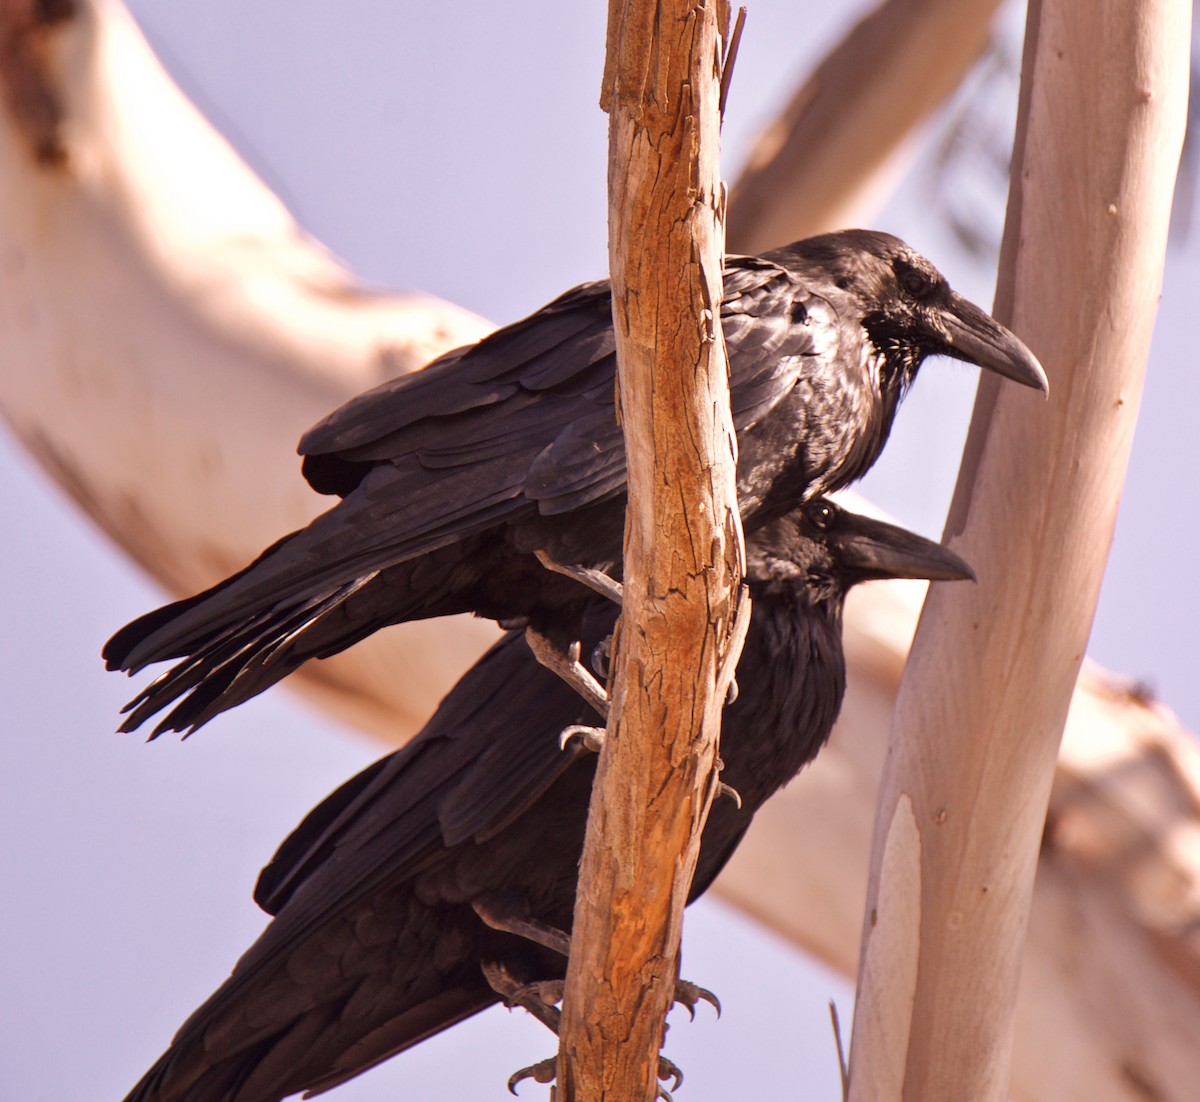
x=683, y=547
x=986, y=693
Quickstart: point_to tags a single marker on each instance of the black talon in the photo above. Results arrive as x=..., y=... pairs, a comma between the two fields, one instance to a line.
x=688, y=994
x=732, y=693
x=541, y=1072
x=724, y=789
x=591, y=738
x=667, y=1068
x=601, y=656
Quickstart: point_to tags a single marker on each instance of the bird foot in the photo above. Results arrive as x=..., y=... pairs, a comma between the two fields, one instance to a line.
x=544, y=1071
x=688, y=994
x=590, y=738
x=595, y=580
x=724, y=789
x=602, y=657
x=524, y=995
x=549, y=992
x=540, y=998
x=567, y=665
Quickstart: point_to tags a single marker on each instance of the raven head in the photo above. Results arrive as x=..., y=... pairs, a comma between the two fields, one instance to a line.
x=909, y=312
x=823, y=550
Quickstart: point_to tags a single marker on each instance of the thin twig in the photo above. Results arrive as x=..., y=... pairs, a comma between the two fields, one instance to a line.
x=841, y=1052
x=730, y=56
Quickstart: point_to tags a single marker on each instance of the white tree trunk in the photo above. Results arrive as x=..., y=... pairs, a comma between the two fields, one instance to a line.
x=989, y=682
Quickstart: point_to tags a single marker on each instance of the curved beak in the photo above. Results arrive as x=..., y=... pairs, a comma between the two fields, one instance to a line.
x=975, y=336
x=870, y=549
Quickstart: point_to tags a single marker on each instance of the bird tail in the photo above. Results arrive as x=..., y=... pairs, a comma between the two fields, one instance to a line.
x=313, y=1052
x=310, y=595
x=225, y=667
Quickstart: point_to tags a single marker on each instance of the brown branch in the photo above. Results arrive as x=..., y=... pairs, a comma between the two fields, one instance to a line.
x=826, y=162
x=986, y=693
x=683, y=549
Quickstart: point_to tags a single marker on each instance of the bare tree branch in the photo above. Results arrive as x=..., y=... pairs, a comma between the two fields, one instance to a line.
x=985, y=697
x=683, y=546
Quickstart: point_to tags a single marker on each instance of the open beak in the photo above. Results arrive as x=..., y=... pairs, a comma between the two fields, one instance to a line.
x=974, y=336
x=872, y=549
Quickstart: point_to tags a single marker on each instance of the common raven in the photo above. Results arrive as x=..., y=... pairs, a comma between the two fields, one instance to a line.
x=378, y=940
x=452, y=477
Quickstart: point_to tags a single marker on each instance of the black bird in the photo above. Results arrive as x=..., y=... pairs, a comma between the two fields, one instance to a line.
x=452, y=477
x=379, y=940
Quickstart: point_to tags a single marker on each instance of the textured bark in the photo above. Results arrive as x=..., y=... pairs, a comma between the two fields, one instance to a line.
x=986, y=694
x=834, y=154
x=683, y=550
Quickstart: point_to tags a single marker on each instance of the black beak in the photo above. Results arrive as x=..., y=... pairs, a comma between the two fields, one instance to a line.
x=974, y=336
x=870, y=549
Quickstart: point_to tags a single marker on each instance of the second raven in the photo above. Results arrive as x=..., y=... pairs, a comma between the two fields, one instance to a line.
x=400, y=900
x=452, y=478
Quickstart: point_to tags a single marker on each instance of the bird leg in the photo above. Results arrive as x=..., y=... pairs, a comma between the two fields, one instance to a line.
x=536, y=998
x=595, y=580
x=687, y=994
x=524, y=995
x=529, y=928
x=567, y=665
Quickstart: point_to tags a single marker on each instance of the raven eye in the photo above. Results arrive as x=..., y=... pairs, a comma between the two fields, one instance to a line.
x=822, y=514
x=913, y=282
